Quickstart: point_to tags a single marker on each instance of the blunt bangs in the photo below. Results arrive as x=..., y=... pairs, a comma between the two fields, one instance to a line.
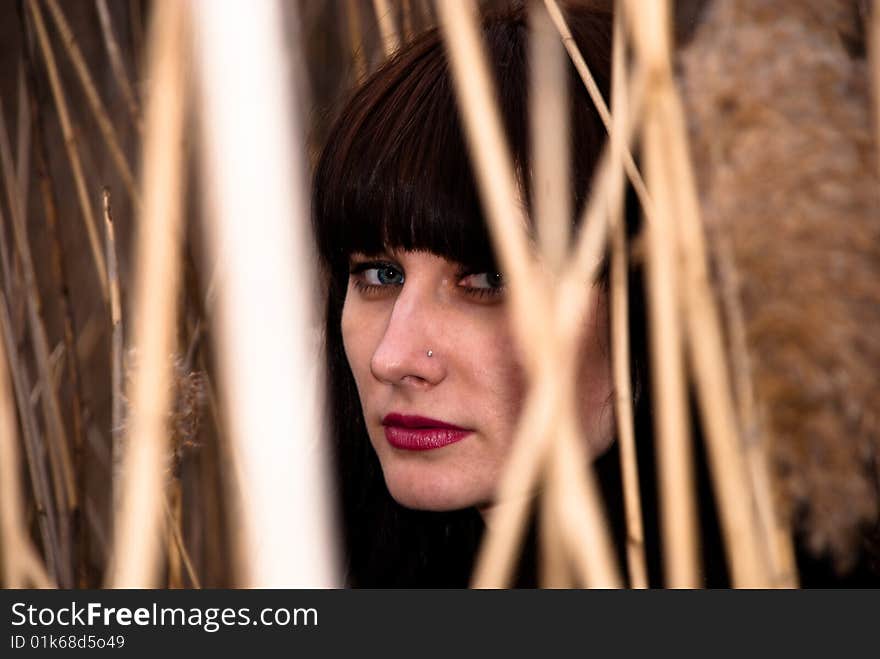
x=395, y=171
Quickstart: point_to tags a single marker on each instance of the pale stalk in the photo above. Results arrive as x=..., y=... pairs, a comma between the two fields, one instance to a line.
x=589, y=81
x=740, y=508
x=269, y=362
x=550, y=139
x=679, y=532
x=117, y=383
x=23, y=145
x=623, y=394
x=497, y=184
x=387, y=27
x=137, y=529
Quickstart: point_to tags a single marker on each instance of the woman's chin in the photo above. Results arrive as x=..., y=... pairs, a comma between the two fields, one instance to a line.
x=431, y=494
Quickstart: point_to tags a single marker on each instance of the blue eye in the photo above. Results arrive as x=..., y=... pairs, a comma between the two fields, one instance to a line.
x=385, y=275
x=483, y=285
x=479, y=280
x=371, y=276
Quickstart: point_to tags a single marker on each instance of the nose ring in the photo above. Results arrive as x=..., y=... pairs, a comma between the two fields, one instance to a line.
x=430, y=353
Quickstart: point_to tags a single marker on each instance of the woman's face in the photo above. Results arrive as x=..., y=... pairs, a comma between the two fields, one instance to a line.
x=439, y=378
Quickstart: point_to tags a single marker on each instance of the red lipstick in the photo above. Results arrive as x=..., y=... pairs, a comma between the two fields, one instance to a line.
x=419, y=433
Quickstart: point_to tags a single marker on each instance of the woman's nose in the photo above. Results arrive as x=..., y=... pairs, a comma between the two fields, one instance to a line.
x=411, y=352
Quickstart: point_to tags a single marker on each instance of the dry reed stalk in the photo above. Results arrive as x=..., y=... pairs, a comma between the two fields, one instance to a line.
x=173, y=510
x=356, y=39
x=59, y=278
x=507, y=520
x=137, y=527
x=70, y=146
x=623, y=394
x=39, y=479
x=740, y=507
x=21, y=565
x=499, y=193
x=173, y=515
x=589, y=246
x=579, y=507
x=736, y=495
x=556, y=554
x=553, y=567
x=108, y=132
x=387, y=27
x=493, y=164
x=650, y=25
x=550, y=138
x=118, y=65
x=266, y=338
x=23, y=145
x=59, y=449
x=548, y=99
x=774, y=535
x=589, y=81
x=116, y=356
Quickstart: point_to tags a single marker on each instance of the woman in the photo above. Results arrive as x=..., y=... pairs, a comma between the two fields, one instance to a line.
x=425, y=384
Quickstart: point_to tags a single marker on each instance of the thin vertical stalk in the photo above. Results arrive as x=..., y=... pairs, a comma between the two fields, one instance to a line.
x=116, y=357
x=742, y=500
x=269, y=361
x=679, y=532
x=70, y=146
x=623, y=394
x=138, y=522
x=387, y=27
x=497, y=183
x=173, y=514
x=59, y=449
x=550, y=148
x=70, y=44
x=738, y=500
x=774, y=536
x=675, y=460
x=23, y=146
x=541, y=424
x=118, y=65
x=589, y=81
x=550, y=138
x=173, y=511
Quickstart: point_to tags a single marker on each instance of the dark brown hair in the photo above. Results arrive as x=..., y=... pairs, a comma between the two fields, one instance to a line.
x=395, y=172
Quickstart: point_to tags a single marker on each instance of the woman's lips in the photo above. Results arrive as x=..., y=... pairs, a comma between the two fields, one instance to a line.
x=419, y=433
